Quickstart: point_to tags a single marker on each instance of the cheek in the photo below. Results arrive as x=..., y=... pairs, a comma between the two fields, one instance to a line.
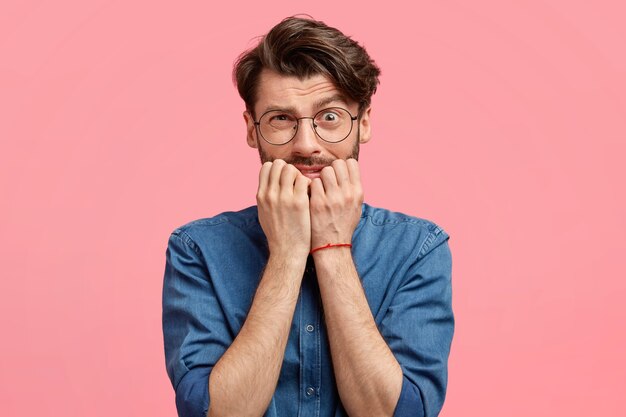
x=342, y=150
x=270, y=153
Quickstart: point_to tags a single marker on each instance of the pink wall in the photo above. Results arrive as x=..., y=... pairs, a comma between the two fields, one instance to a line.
x=502, y=121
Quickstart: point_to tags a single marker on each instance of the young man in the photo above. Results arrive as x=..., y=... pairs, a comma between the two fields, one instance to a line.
x=310, y=303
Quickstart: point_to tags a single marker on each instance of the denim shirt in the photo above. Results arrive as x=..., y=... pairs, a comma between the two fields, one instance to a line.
x=214, y=265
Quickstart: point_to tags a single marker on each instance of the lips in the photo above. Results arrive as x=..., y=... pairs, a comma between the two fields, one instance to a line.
x=310, y=171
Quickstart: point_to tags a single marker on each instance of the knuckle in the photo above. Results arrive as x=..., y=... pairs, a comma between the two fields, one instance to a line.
x=301, y=204
x=335, y=203
x=270, y=198
x=290, y=169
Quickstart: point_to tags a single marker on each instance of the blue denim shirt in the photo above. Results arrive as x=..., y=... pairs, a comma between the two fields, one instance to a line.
x=213, y=267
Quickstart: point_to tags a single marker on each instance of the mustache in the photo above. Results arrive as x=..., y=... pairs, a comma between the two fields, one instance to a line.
x=300, y=160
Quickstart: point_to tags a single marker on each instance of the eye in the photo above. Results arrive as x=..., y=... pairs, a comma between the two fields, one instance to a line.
x=279, y=120
x=280, y=117
x=329, y=117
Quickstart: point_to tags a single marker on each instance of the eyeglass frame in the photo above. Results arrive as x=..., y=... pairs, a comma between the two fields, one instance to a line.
x=257, y=124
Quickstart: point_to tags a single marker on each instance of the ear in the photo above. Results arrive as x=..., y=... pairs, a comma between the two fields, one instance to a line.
x=251, y=136
x=365, y=129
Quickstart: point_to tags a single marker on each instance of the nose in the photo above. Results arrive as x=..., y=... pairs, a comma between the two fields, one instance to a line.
x=306, y=142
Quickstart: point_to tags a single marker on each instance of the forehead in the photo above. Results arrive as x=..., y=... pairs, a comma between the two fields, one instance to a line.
x=276, y=91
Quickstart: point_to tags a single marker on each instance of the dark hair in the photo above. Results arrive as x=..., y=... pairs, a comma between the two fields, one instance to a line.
x=305, y=47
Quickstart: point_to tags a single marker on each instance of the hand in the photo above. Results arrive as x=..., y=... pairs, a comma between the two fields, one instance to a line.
x=283, y=206
x=336, y=198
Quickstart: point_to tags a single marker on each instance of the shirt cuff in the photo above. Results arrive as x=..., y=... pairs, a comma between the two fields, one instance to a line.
x=192, y=393
x=410, y=401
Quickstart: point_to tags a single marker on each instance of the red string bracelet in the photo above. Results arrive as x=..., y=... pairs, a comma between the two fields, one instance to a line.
x=332, y=245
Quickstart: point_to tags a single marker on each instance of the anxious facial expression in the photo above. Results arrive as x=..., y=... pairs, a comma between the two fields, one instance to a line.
x=304, y=98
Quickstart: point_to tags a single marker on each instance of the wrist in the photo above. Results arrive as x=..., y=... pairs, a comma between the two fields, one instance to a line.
x=334, y=252
x=319, y=240
x=330, y=246
x=288, y=258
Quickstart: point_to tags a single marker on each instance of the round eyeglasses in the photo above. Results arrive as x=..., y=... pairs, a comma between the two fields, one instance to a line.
x=278, y=127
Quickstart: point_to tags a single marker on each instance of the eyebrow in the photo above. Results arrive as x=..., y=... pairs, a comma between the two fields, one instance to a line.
x=332, y=99
x=317, y=105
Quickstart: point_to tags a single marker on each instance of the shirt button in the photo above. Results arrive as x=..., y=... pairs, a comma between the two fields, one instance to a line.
x=310, y=391
x=310, y=328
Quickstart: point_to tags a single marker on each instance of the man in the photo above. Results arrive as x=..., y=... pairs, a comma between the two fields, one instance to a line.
x=310, y=303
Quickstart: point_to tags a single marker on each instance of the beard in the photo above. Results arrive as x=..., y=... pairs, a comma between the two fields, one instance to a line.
x=301, y=160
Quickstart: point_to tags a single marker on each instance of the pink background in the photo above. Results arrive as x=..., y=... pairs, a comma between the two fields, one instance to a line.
x=502, y=121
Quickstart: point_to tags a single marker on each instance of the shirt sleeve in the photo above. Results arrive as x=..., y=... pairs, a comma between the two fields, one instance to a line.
x=192, y=393
x=194, y=327
x=418, y=328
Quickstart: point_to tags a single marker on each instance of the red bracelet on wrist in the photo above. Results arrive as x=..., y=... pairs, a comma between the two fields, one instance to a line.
x=332, y=245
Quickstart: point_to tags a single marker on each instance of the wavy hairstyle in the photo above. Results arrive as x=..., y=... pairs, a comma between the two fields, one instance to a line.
x=304, y=47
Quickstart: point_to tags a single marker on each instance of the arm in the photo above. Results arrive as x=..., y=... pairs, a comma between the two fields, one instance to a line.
x=369, y=379
x=417, y=328
x=244, y=379
x=196, y=336
x=401, y=371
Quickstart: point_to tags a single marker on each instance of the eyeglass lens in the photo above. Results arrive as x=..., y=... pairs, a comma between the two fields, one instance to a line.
x=332, y=125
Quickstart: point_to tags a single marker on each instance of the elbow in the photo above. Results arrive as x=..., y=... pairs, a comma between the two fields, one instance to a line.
x=410, y=402
x=192, y=393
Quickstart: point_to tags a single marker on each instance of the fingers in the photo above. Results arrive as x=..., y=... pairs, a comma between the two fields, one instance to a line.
x=274, y=177
x=354, y=171
x=329, y=178
x=264, y=175
x=317, y=188
x=280, y=177
x=287, y=178
x=341, y=172
x=302, y=184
